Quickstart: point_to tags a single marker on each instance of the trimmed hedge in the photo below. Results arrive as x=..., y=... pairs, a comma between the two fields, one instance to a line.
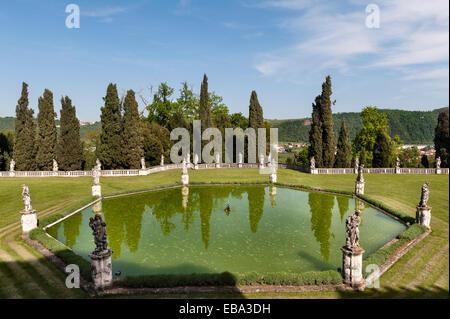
x=228, y=279
x=406, y=218
x=412, y=232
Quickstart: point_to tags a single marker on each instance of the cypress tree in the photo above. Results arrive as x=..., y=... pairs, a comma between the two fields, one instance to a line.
x=69, y=152
x=328, y=142
x=24, y=153
x=108, y=150
x=315, y=135
x=204, y=107
x=132, y=139
x=343, y=148
x=362, y=157
x=382, y=150
x=441, y=138
x=47, y=135
x=424, y=161
x=255, y=118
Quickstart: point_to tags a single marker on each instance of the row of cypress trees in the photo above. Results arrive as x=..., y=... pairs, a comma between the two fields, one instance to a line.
x=36, y=149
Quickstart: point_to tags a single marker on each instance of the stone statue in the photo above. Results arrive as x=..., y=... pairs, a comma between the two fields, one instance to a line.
x=240, y=158
x=12, y=164
x=142, y=163
x=261, y=159
x=312, y=163
x=438, y=162
x=425, y=195
x=217, y=158
x=99, y=231
x=195, y=158
x=162, y=160
x=26, y=198
x=99, y=164
x=397, y=163
x=96, y=172
x=55, y=165
x=352, y=230
x=360, y=177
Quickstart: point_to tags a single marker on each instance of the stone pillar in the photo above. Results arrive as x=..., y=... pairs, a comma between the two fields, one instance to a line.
x=29, y=220
x=438, y=170
x=101, y=269
x=162, y=160
x=359, y=188
x=143, y=163
x=423, y=216
x=261, y=161
x=195, y=161
x=184, y=174
x=352, y=267
x=240, y=160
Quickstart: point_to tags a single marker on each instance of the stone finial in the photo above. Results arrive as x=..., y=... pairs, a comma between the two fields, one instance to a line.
x=425, y=195
x=12, y=165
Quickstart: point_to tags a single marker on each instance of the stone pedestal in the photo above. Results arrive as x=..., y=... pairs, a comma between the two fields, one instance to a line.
x=314, y=171
x=438, y=171
x=218, y=165
x=352, y=267
x=29, y=220
x=359, y=188
x=96, y=190
x=239, y=165
x=12, y=174
x=397, y=170
x=423, y=216
x=101, y=270
x=185, y=179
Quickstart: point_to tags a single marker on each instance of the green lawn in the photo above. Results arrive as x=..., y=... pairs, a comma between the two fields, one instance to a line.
x=421, y=272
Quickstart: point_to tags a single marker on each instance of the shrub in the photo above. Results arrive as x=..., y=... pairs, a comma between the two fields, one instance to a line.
x=412, y=232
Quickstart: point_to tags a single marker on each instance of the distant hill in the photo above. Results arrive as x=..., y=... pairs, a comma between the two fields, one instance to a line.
x=413, y=127
x=8, y=123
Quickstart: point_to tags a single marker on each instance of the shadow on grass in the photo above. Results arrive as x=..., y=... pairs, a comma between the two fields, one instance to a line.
x=398, y=293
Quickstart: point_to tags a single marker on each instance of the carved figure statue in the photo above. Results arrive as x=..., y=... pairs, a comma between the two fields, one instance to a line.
x=185, y=172
x=99, y=231
x=12, y=164
x=312, y=163
x=96, y=172
x=26, y=198
x=438, y=162
x=55, y=165
x=142, y=163
x=352, y=230
x=162, y=160
x=397, y=163
x=98, y=164
x=425, y=195
x=356, y=162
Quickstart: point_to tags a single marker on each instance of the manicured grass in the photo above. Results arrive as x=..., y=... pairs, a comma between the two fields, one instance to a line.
x=400, y=192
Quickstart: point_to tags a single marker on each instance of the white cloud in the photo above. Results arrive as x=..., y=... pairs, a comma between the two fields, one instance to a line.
x=104, y=12
x=284, y=4
x=440, y=73
x=411, y=32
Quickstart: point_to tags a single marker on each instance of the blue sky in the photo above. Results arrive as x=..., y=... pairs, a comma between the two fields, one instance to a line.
x=283, y=49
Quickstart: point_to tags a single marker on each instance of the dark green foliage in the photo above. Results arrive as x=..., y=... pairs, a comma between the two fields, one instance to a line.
x=132, y=139
x=382, y=150
x=441, y=139
x=239, y=120
x=328, y=143
x=362, y=157
x=315, y=135
x=204, y=107
x=24, y=153
x=344, y=148
x=303, y=157
x=6, y=149
x=108, y=151
x=424, y=161
x=47, y=135
x=177, y=120
x=228, y=279
x=188, y=102
x=162, y=108
x=381, y=256
x=413, y=127
x=409, y=157
x=255, y=117
x=69, y=151
x=412, y=232
x=156, y=142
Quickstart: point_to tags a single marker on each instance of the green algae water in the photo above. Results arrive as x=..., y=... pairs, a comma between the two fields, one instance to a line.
x=189, y=230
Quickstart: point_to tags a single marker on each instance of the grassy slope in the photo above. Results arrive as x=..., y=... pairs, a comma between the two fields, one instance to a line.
x=424, y=267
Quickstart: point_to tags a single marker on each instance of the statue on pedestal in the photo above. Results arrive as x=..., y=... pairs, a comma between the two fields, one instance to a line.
x=438, y=162
x=55, y=165
x=312, y=163
x=96, y=174
x=356, y=163
x=162, y=160
x=352, y=230
x=26, y=198
x=184, y=171
x=142, y=163
x=397, y=163
x=100, y=238
x=425, y=195
x=12, y=164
